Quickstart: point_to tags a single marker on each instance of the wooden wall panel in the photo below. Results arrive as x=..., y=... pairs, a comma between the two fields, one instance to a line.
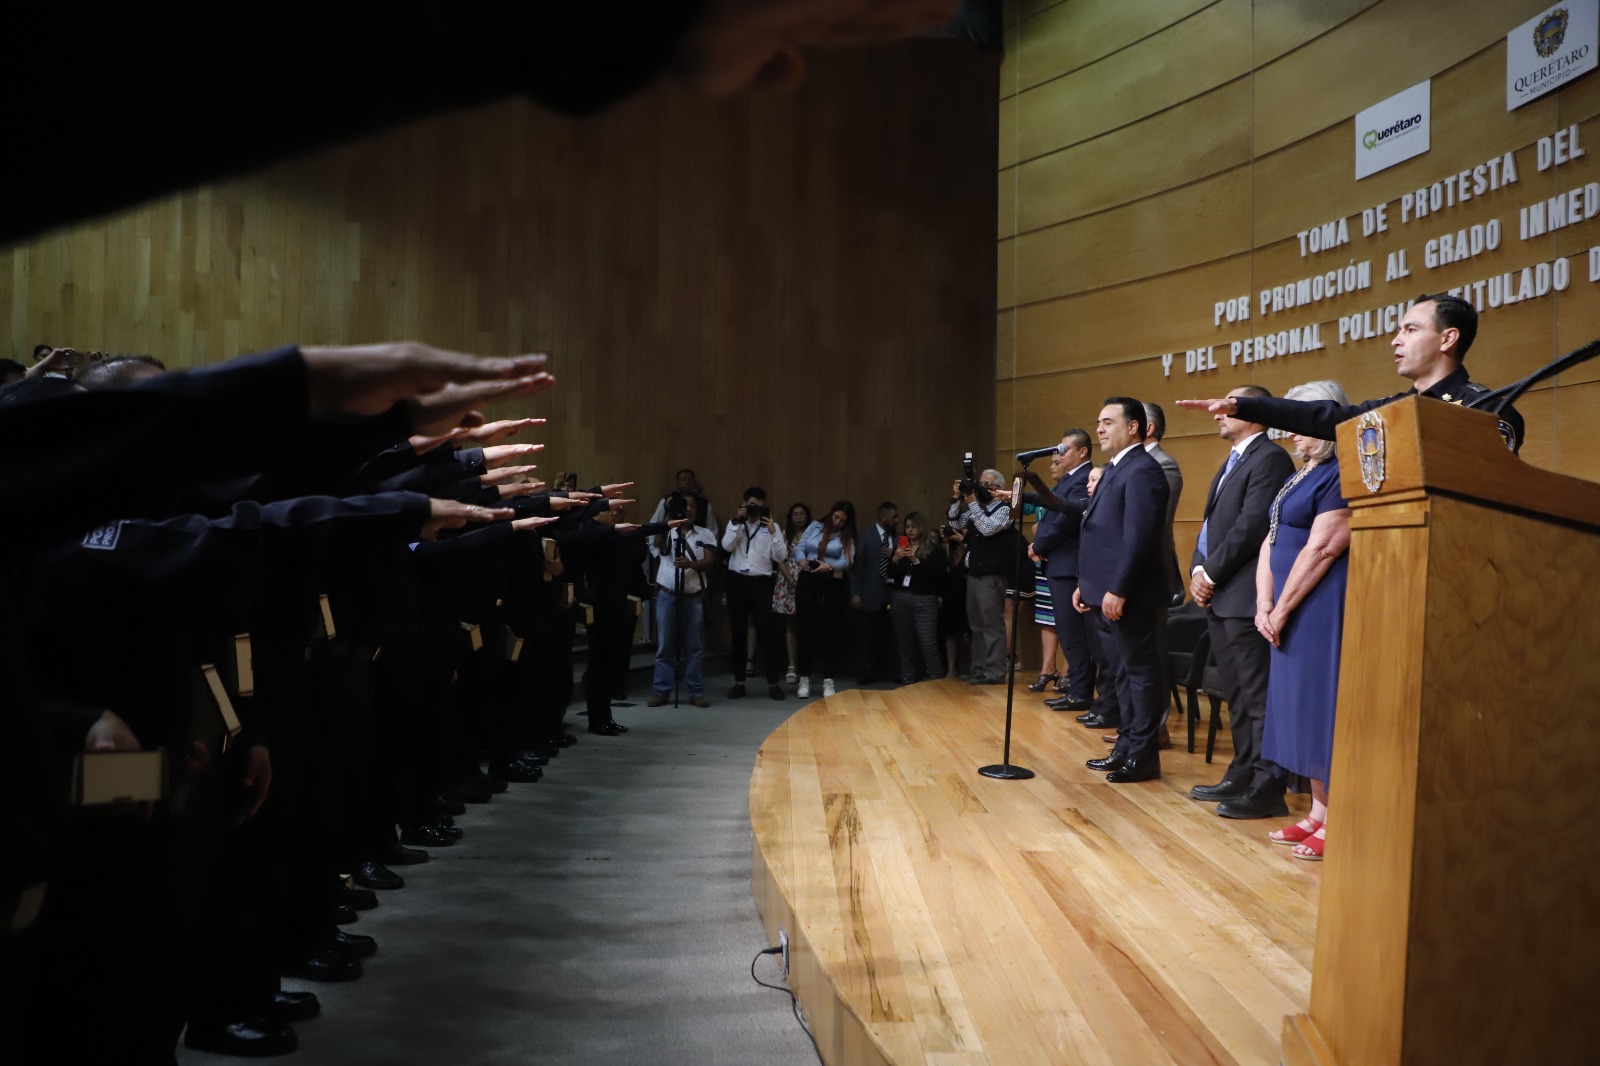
x=1069, y=36
x=795, y=290
x=1196, y=139
x=1147, y=188
x=1140, y=317
x=1161, y=70
x=1192, y=224
x=1277, y=29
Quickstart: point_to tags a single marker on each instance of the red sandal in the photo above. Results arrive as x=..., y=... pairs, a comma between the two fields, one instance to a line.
x=1294, y=834
x=1310, y=849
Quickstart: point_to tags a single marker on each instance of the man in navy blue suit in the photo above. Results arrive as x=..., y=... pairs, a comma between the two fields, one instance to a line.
x=1122, y=585
x=1055, y=546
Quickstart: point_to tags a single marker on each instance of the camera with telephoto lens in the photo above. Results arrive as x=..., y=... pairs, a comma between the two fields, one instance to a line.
x=677, y=507
x=971, y=484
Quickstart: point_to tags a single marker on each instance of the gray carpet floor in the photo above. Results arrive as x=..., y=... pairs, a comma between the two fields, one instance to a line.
x=602, y=915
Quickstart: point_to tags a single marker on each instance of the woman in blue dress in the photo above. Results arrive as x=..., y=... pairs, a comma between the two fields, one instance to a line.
x=1300, y=586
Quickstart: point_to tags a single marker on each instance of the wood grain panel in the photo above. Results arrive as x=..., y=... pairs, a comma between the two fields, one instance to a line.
x=1180, y=62
x=1566, y=421
x=1064, y=38
x=1277, y=29
x=1198, y=223
x=1146, y=316
x=766, y=289
x=1193, y=140
x=1307, y=91
x=1057, y=920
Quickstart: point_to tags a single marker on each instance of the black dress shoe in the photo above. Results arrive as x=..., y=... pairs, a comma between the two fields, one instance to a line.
x=1128, y=772
x=1100, y=721
x=449, y=828
x=376, y=875
x=343, y=915
x=566, y=740
x=533, y=758
x=357, y=899
x=1222, y=790
x=353, y=945
x=425, y=836
x=737, y=691
x=608, y=729
x=258, y=1037
x=399, y=855
x=331, y=965
x=287, y=1008
x=517, y=772
x=1256, y=803
x=775, y=691
x=1109, y=762
x=1086, y=715
x=1067, y=703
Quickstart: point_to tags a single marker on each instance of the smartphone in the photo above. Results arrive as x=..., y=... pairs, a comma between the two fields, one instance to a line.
x=905, y=542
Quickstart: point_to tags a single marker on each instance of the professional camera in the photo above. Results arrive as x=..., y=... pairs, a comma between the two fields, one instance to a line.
x=677, y=507
x=970, y=482
x=756, y=512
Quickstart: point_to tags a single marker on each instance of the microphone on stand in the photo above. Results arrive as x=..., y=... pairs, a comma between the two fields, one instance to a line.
x=1025, y=458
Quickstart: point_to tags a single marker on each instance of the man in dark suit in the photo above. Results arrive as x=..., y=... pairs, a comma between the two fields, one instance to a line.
x=1055, y=545
x=1120, y=584
x=1223, y=580
x=869, y=595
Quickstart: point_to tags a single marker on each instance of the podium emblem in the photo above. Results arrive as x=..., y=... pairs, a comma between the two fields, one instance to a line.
x=1369, y=448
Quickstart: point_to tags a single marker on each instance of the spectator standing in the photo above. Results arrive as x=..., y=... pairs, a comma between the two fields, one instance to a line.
x=826, y=553
x=919, y=569
x=783, y=586
x=755, y=548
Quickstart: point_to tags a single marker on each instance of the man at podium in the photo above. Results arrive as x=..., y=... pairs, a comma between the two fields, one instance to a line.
x=1430, y=348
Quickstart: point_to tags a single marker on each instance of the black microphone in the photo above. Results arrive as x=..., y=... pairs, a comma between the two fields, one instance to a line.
x=1038, y=453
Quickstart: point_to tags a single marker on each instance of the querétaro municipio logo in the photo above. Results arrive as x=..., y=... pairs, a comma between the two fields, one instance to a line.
x=1549, y=33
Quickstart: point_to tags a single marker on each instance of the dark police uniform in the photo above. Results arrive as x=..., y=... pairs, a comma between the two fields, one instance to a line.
x=1317, y=418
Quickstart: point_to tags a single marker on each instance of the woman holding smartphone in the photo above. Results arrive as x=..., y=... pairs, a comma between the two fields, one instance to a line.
x=822, y=599
x=918, y=571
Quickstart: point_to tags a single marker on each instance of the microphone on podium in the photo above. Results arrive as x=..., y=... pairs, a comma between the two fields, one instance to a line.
x=1038, y=453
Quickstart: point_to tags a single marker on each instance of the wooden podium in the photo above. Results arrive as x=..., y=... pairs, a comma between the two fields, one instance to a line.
x=1459, y=920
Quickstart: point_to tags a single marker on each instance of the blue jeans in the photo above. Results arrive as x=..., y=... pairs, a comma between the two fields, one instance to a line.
x=694, y=613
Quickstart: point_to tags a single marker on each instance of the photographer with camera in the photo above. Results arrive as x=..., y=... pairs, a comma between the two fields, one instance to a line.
x=981, y=511
x=688, y=484
x=755, y=548
x=683, y=555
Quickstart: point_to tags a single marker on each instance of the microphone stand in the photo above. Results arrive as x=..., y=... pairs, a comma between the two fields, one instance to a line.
x=1503, y=397
x=1003, y=770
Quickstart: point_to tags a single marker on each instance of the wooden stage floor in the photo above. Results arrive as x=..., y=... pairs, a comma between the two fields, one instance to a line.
x=938, y=916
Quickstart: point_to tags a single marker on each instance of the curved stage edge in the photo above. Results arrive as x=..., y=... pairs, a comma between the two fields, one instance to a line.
x=938, y=916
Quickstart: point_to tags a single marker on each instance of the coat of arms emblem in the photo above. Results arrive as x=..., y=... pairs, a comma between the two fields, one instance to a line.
x=1548, y=34
x=1369, y=448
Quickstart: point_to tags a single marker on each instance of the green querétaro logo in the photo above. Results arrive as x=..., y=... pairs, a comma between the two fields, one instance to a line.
x=1372, y=138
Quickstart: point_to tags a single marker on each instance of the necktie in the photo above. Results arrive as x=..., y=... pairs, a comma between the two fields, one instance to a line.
x=1233, y=461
